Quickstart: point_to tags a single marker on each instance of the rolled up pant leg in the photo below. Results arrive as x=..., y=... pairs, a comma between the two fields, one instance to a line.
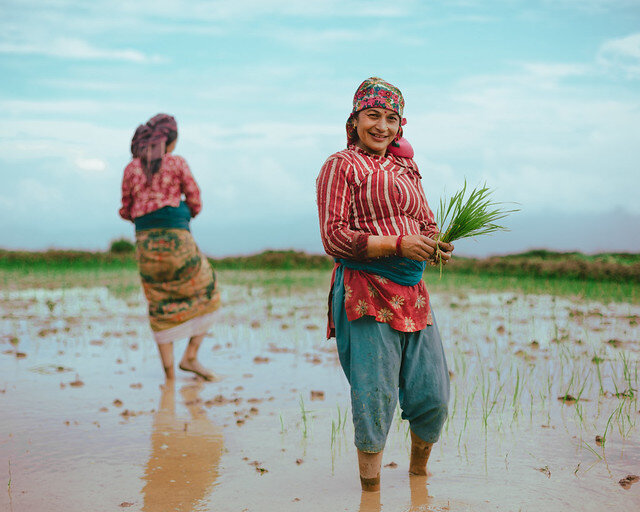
x=370, y=354
x=424, y=383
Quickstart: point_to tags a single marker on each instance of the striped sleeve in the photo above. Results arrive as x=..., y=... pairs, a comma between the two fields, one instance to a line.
x=189, y=188
x=428, y=226
x=334, y=199
x=127, y=199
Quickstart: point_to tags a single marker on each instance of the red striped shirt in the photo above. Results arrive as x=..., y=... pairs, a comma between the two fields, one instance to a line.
x=359, y=195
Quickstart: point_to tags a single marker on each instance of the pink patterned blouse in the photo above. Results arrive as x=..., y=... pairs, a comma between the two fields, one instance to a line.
x=169, y=184
x=359, y=195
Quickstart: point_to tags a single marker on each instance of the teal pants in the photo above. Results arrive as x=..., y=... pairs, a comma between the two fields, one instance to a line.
x=382, y=365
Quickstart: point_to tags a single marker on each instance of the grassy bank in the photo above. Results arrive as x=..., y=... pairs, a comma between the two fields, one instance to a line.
x=598, y=277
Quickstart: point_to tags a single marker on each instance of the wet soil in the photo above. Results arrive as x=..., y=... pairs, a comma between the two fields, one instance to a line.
x=543, y=414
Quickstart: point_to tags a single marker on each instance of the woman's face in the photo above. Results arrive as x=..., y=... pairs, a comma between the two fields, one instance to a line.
x=376, y=127
x=172, y=146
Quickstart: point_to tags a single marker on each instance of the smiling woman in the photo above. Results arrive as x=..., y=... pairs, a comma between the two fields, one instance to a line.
x=376, y=129
x=376, y=223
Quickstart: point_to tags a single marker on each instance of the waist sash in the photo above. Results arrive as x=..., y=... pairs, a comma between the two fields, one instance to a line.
x=403, y=271
x=170, y=217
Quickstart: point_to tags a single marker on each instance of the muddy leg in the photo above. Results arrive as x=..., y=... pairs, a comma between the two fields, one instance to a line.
x=189, y=361
x=369, y=464
x=166, y=355
x=420, y=452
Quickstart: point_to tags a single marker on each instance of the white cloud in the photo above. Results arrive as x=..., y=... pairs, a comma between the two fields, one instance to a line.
x=73, y=48
x=621, y=54
x=544, y=143
x=94, y=165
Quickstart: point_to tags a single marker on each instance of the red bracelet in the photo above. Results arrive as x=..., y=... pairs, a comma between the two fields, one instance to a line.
x=398, y=244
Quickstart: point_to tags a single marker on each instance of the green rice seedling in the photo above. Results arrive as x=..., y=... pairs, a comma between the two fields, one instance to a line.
x=454, y=408
x=303, y=413
x=344, y=419
x=606, y=429
x=627, y=373
x=592, y=450
x=531, y=407
x=586, y=380
x=334, y=429
x=281, y=425
x=514, y=403
x=466, y=413
x=460, y=217
x=597, y=360
x=578, y=409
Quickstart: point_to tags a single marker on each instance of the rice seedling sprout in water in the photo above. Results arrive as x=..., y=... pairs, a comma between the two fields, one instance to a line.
x=460, y=217
x=303, y=413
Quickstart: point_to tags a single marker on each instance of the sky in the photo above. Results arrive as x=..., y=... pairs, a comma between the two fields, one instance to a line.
x=538, y=99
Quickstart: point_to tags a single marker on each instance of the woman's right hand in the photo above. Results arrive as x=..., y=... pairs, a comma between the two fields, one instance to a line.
x=417, y=247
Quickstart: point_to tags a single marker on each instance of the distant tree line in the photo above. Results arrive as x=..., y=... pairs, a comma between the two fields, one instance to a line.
x=618, y=267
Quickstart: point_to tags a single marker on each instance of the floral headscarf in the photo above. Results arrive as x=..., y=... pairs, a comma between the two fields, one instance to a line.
x=149, y=142
x=375, y=92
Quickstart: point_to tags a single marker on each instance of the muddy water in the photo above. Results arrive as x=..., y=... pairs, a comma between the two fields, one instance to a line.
x=86, y=425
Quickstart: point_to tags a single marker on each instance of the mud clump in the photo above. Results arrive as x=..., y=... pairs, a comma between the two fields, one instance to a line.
x=221, y=400
x=317, y=395
x=76, y=383
x=628, y=481
x=280, y=350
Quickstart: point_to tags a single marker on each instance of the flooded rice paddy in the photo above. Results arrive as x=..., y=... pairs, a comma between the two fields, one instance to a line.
x=544, y=411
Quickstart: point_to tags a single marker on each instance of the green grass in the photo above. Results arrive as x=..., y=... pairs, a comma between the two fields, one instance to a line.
x=124, y=279
x=603, y=291
x=603, y=277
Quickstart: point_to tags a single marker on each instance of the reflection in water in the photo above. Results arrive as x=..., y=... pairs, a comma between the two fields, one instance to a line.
x=419, y=494
x=420, y=499
x=185, y=452
x=370, y=502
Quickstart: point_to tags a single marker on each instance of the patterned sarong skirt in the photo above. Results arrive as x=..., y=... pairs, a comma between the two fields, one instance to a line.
x=179, y=284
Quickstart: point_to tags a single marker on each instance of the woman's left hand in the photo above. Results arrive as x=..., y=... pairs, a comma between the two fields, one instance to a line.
x=443, y=255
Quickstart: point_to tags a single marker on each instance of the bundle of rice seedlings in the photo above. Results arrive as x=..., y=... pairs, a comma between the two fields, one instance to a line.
x=461, y=217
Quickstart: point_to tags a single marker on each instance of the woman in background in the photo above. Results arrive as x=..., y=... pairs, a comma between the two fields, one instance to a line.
x=177, y=279
x=376, y=223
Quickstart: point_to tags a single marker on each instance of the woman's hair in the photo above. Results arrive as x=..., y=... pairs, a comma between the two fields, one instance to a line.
x=150, y=142
x=155, y=164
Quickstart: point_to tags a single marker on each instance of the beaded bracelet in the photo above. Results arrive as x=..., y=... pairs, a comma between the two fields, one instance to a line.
x=398, y=244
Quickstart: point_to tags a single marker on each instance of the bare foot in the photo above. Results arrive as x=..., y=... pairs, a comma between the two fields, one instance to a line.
x=194, y=366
